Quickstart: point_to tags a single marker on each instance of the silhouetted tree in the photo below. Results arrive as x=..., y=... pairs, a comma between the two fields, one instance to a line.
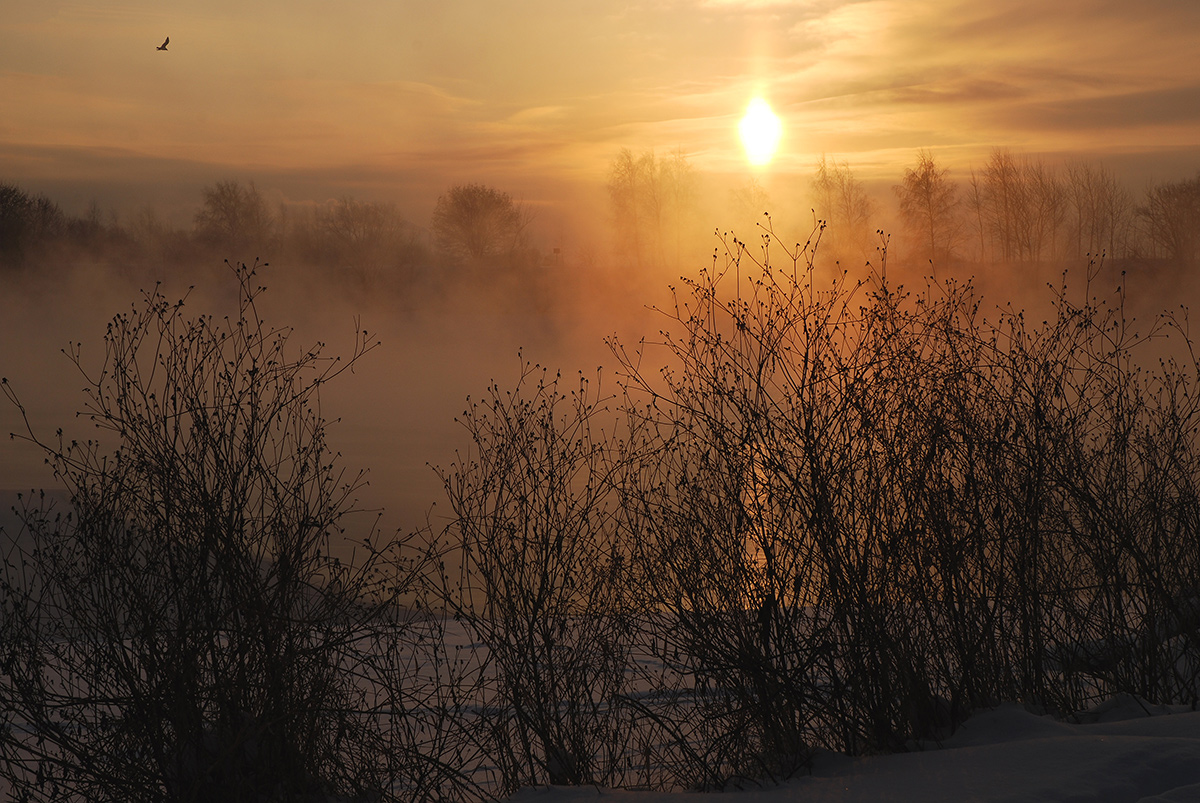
x=650, y=199
x=679, y=178
x=184, y=633
x=1020, y=206
x=1002, y=200
x=476, y=223
x=25, y=221
x=973, y=199
x=929, y=205
x=234, y=216
x=364, y=239
x=148, y=230
x=1100, y=211
x=1170, y=217
x=632, y=201
x=842, y=202
x=14, y=208
x=357, y=225
x=1045, y=211
x=542, y=581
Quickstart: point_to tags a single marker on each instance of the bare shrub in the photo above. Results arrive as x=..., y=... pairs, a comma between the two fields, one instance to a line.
x=183, y=631
x=864, y=513
x=835, y=516
x=534, y=575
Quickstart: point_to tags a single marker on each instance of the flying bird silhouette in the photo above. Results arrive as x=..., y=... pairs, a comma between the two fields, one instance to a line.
x=163, y=46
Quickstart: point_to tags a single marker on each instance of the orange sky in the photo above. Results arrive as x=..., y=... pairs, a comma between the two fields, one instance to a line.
x=380, y=96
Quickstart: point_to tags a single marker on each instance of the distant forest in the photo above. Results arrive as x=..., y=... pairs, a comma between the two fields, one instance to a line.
x=1012, y=210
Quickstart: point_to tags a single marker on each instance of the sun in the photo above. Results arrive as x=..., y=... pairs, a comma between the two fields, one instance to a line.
x=760, y=130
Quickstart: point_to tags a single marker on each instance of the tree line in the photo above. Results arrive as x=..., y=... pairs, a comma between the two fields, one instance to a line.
x=473, y=225
x=1012, y=209
x=1017, y=209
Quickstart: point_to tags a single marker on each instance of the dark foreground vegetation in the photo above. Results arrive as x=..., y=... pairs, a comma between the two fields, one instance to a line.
x=834, y=515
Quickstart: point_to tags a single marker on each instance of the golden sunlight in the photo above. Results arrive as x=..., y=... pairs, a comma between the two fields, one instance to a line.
x=760, y=130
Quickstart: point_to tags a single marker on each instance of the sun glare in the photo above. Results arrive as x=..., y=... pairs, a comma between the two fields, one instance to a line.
x=760, y=130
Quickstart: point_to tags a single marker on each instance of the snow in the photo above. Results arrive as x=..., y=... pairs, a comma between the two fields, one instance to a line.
x=1121, y=751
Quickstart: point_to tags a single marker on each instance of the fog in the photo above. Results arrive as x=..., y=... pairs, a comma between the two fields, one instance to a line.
x=396, y=410
x=439, y=342
x=586, y=263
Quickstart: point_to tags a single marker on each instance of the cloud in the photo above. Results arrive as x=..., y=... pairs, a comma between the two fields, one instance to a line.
x=1158, y=107
x=558, y=88
x=806, y=7
x=955, y=92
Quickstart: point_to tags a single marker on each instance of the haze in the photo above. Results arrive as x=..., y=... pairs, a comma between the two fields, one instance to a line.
x=394, y=103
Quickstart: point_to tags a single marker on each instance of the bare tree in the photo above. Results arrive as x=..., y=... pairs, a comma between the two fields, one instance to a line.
x=1170, y=218
x=478, y=224
x=628, y=199
x=651, y=198
x=1044, y=212
x=26, y=221
x=1003, y=202
x=1116, y=213
x=680, y=179
x=543, y=584
x=929, y=205
x=234, y=216
x=364, y=241
x=842, y=202
x=1100, y=211
x=977, y=204
x=356, y=225
x=1020, y=206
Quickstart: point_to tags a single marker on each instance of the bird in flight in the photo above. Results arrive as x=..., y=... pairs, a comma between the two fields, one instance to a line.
x=163, y=46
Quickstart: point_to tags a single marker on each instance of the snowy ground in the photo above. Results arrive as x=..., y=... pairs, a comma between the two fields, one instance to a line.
x=1007, y=754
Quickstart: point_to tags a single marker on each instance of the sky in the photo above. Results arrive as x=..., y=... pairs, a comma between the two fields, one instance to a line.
x=382, y=99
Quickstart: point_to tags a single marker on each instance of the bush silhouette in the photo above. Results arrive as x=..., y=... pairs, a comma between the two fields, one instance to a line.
x=182, y=632
x=820, y=514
